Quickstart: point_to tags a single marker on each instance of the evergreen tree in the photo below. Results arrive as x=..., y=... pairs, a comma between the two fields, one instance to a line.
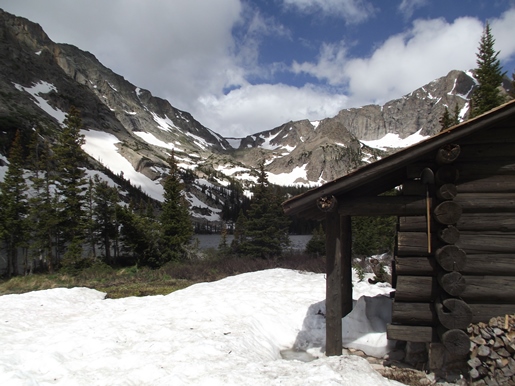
x=316, y=245
x=70, y=184
x=239, y=232
x=42, y=212
x=13, y=208
x=266, y=233
x=512, y=89
x=489, y=75
x=176, y=226
x=139, y=236
x=446, y=120
x=106, y=199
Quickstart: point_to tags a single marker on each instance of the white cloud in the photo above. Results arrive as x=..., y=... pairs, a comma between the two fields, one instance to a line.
x=402, y=63
x=407, y=7
x=352, y=11
x=255, y=108
x=503, y=31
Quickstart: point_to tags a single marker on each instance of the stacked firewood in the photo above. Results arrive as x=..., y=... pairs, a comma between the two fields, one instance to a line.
x=492, y=351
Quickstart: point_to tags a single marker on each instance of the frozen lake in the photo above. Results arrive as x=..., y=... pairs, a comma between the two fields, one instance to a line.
x=298, y=242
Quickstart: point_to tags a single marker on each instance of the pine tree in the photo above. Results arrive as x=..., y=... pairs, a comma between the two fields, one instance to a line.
x=106, y=200
x=446, y=120
x=13, y=208
x=70, y=185
x=139, y=236
x=266, y=233
x=489, y=75
x=42, y=212
x=316, y=245
x=176, y=226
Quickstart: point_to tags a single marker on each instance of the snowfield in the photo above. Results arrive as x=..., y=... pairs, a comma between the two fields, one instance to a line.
x=229, y=332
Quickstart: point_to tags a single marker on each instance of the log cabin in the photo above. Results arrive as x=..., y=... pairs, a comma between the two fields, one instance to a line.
x=454, y=256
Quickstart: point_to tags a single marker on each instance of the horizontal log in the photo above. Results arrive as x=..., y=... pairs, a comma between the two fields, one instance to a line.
x=471, y=169
x=487, y=184
x=411, y=333
x=481, y=242
x=497, y=134
x=479, y=289
x=414, y=314
x=492, y=289
x=487, y=151
x=482, y=264
x=486, y=202
x=415, y=243
x=416, y=289
x=383, y=206
x=425, y=314
x=503, y=222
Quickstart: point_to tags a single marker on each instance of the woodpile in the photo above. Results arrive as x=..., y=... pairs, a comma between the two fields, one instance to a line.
x=492, y=351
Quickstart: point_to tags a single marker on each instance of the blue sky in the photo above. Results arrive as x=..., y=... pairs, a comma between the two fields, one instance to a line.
x=244, y=66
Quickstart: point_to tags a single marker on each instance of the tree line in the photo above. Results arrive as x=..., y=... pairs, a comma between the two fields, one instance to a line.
x=54, y=217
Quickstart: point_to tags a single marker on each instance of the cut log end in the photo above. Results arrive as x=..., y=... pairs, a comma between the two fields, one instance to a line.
x=456, y=341
x=451, y=258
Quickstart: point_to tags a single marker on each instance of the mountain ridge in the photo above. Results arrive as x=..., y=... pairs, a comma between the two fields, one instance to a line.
x=44, y=79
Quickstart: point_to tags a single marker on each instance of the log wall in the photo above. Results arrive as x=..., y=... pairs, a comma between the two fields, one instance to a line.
x=456, y=264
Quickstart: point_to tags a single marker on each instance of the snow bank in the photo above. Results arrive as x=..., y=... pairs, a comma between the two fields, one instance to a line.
x=229, y=332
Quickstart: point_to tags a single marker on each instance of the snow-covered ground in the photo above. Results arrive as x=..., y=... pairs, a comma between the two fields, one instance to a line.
x=230, y=332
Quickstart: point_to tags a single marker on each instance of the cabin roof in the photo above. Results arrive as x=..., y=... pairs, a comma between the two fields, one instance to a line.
x=389, y=172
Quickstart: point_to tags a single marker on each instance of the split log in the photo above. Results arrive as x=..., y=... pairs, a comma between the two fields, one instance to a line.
x=410, y=333
x=451, y=258
x=449, y=235
x=425, y=314
x=479, y=289
x=448, y=154
x=452, y=282
x=453, y=313
x=446, y=192
x=455, y=341
x=448, y=212
x=482, y=264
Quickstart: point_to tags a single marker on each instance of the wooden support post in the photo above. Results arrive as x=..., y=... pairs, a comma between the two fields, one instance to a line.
x=346, y=232
x=334, y=286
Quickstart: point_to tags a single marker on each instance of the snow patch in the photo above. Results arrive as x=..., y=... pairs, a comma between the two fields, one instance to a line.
x=393, y=140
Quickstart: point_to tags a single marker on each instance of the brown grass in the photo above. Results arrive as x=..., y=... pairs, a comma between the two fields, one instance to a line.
x=134, y=281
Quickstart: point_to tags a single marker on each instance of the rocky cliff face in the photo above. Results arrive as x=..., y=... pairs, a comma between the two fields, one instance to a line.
x=147, y=128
